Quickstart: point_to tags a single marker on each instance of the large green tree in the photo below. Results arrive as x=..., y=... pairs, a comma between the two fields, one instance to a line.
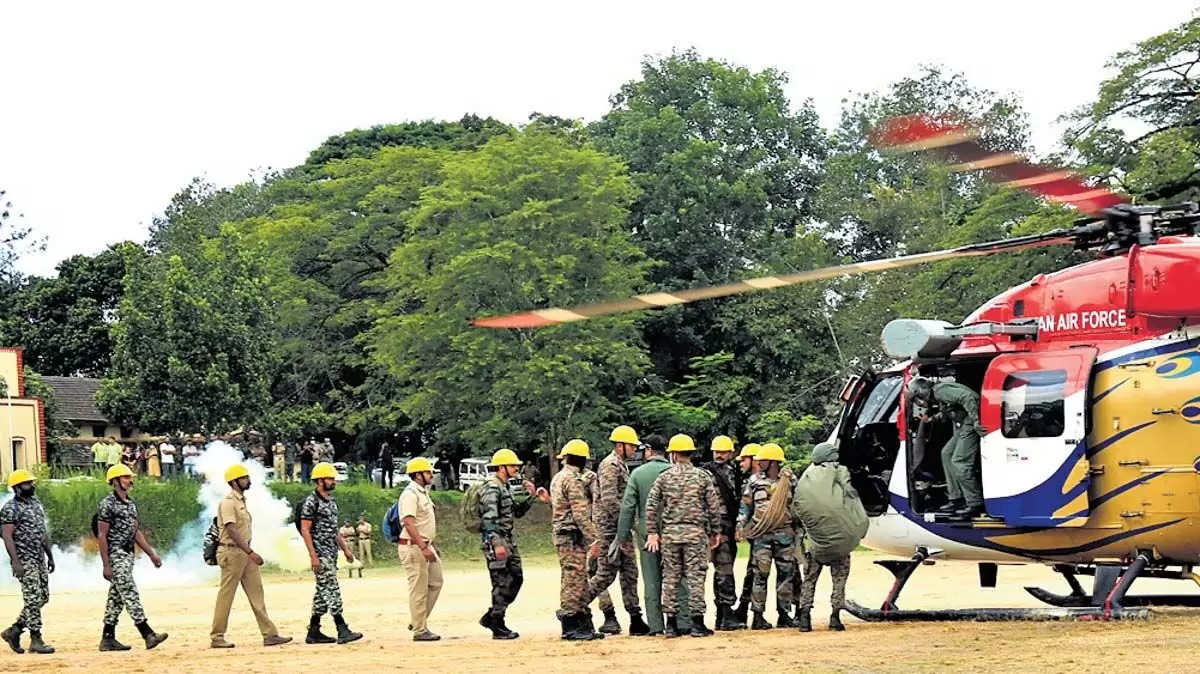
x=524, y=222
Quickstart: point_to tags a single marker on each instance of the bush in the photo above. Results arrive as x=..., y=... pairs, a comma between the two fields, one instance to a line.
x=164, y=508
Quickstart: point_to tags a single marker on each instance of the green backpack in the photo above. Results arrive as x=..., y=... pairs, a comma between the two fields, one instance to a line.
x=469, y=510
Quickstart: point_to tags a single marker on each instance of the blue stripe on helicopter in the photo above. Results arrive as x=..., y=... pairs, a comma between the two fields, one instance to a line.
x=1110, y=390
x=1100, y=500
x=1034, y=507
x=1173, y=347
x=1117, y=437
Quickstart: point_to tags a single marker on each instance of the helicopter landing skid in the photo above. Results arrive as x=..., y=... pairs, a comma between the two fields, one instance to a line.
x=991, y=614
x=1084, y=601
x=1107, y=579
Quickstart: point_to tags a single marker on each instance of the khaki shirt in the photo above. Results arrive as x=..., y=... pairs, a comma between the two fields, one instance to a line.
x=232, y=512
x=415, y=503
x=364, y=531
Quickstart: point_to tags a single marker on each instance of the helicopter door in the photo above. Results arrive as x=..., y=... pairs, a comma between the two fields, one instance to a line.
x=1033, y=459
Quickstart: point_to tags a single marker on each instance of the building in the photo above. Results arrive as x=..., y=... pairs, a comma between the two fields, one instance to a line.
x=23, y=420
x=75, y=398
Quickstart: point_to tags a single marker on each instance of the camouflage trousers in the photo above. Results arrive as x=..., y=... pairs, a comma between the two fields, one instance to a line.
x=507, y=578
x=724, y=586
x=573, y=594
x=780, y=549
x=840, y=570
x=606, y=572
x=122, y=592
x=684, y=563
x=748, y=580
x=35, y=591
x=328, y=595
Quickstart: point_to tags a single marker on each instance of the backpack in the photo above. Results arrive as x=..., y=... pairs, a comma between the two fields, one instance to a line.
x=211, y=538
x=391, y=524
x=469, y=510
x=96, y=524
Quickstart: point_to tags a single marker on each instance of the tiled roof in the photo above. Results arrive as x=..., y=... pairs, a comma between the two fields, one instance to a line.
x=76, y=397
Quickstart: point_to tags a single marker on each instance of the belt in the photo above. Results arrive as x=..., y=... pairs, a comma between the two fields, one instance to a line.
x=405, y=541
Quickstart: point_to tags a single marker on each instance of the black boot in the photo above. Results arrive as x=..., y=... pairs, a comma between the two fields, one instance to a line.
x=12, y=637
x=486, y=621
x=345, y=636
x=579, y=628
x=568, y=626
x=804, y=617
x=835, y=622
x=967, y=513
x=36, y=645
x=726, y=621
x=314, y=635
x=152, y=638
x=670, y=628
x=108, y=640
x=637, y=626
x=785, y=620
x=610, y=626
x=500, y=631
x=698, y=628
x=760, y=623
x=741, y=614
x=588, y=627
x=950, y=507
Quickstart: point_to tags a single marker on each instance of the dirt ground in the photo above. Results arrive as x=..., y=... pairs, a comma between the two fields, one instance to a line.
x=377, y=606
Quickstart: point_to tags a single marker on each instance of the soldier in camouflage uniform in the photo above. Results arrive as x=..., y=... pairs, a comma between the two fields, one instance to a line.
x=117, y=530
x=319, y=529
x=747, y=466
x=574, y=533
x=613, y=476
x=728, y=480
x=773, y=541
x=683, y=518
x=498, y=513
x=591, y=487
x=27, y=540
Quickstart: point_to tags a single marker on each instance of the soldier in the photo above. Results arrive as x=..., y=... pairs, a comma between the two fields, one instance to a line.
x=117, y=530
x=318, y=528
x=574, y=539
x=683, y=519
x=765, y=520
x=728, y=481
x=239, y=563
x=422, y=564
x=364, y=540
x=960, y=455
x=498, y=512
x=27, y=540
x=613, y=476
x=748, y=466
x=591, y=487
x=825, y=458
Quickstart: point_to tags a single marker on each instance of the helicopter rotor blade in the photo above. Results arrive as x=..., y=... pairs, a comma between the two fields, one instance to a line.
x=544, y=317
x=959, y=146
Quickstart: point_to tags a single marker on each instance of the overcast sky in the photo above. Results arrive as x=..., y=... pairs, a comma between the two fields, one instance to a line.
x=107, y=109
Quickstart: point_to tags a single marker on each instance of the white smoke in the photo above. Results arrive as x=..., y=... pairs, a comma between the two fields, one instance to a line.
x=273, y=536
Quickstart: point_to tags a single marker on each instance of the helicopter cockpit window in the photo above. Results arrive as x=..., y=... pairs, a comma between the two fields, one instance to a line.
x=880, y=402
x=1032, y=404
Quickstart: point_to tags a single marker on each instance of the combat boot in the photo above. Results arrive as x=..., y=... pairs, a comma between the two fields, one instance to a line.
x=486, y=621
x=835, y=622
x=152, y=638
x=698, y=628
x=345, y=636
x=108, y=640
x=12, y=637
x=727, y=621
x=804, y=617
x=36, y=645
x=637, y=626
x=670, y=628
x=760, y=623
x=610, y=626
x=785, y=620
x=742, y=613
x=500, y=631
x=586, y=626
x=315, y=636
x=578, y=627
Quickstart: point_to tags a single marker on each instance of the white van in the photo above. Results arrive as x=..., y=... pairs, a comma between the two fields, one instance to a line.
x=475, y=471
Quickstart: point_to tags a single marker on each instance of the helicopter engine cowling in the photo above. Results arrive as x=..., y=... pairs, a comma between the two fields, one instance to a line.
x=918, y=338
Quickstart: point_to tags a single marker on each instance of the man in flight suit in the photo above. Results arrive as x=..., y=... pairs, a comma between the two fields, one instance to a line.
x=960, y=455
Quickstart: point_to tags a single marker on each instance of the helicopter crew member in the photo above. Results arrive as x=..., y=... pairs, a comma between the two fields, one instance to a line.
x=422, y=564
x=613, y=477
x=747, y=466
x=117, y=531
x=574, y=539
x=960, y=456
x=765, y=520
x=318, y=528
x=683, y=519
x=727, y=478
x=27, y=540
x=498, y=513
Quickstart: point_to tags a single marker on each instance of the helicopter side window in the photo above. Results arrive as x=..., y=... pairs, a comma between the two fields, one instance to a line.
x=1032, y=404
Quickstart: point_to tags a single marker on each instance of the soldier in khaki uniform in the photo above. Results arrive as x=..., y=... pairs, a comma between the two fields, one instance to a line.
x=422, y=564
x=239, y=563
x=364, y=540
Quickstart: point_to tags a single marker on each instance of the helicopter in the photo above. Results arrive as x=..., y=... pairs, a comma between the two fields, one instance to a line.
x=1089, y=387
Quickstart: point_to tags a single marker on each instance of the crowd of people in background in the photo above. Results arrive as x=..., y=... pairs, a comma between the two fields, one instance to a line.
x=166, y=457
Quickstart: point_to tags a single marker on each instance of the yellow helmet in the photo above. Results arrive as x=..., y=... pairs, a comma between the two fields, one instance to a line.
x=418, y=465
x=235, y=471
x=624, y=434
x=750, y=449
x=323, y=470
x=770, y=452
x=722, y=443
x=20, y=476
x=576, y=447
x=681, y=443
x=119, y=470
x=505, y=457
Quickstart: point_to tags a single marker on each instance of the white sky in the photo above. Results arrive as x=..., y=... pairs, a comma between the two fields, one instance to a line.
x=107, y=109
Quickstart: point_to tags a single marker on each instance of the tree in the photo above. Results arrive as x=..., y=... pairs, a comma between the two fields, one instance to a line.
x=14, y=241
x=526, y=221
x=193, y=346
x=468, y=133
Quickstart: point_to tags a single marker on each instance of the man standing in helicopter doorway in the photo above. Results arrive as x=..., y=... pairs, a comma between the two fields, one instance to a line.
x=960, y=455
